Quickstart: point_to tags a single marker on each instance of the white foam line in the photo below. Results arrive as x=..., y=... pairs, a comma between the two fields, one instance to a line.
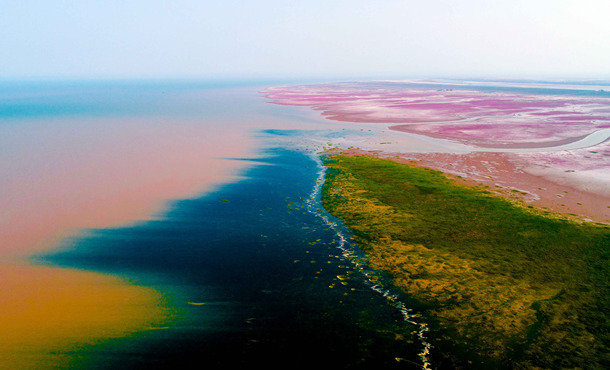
x=313, y=203
x=590, y=140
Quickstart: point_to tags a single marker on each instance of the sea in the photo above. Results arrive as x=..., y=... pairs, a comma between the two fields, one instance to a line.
x=207, y=194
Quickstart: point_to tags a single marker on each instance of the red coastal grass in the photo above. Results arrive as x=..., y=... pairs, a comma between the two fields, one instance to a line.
x=569, y=182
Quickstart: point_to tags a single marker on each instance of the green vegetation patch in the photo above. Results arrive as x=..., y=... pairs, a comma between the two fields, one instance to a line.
x=514, y=287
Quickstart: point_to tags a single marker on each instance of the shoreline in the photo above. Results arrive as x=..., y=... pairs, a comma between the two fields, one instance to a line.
x=499, y=174
x=505, y=256
x=504, y=285
x=553, y=147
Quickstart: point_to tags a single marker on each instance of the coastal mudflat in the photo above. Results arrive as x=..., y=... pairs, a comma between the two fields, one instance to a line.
x=512, y=177
x=490, y=203
x=549, y=142
x=88, y=185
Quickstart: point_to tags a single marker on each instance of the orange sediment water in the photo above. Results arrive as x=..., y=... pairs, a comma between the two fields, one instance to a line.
x=89, y=175
x=47, y=313
x=76, y=174
x=62, y=175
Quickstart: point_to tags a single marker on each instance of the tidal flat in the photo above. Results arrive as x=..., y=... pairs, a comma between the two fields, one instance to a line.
x=182, y=221
x=504, y=286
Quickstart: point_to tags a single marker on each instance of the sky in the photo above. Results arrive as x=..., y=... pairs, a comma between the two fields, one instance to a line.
x=304, y=39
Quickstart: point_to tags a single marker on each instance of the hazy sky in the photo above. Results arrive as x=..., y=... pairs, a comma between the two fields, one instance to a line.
x=305, y=38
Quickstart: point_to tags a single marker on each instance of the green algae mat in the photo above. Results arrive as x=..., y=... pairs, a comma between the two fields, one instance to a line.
x=504, y=286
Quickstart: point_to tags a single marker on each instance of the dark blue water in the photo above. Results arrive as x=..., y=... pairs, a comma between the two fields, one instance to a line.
x=278, y=290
